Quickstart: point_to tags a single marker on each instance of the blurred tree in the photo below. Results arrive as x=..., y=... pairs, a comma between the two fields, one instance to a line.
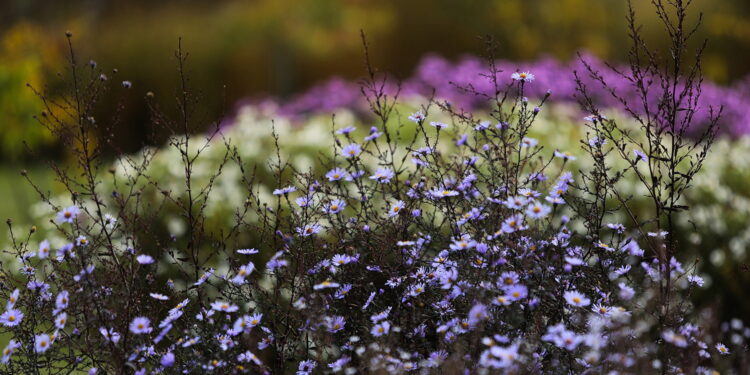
x=26, y=55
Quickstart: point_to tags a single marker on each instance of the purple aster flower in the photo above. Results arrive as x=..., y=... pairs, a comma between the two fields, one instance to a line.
x=110, y=334
x=334, y=323
x=536, y=210
x=417, y=117
x=346, y=130
x=522, y=76
x=222, y=306
x=42, y=343
x=336, y=174
x=382, y=175
x=326, y=284
x=306, y=367
x=167, y=360
x=381, y=329
x=9, y=350
x=396, y=208
x=44, y=250
x=81, y=241
x=574, y=298
x=285, y=190
x=477, y=313
x=145, y=259
x=247, y=251
x=60, y=320
x=334, y=207
x=158, y=296
x=639, y=155
x=308, y=230
x=443, y=193
x=11, y=318
x=351, y=150
x=12, y=299
x=68, y=214
x=529, y=142
x=462, y=140
x=140, y=325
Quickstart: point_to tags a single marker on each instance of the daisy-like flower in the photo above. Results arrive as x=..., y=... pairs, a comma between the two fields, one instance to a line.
x=516, y=203
x=242, y=273
x=516, y=292
x=722, y=349
x=285, y=190
x=81, y=241
x=574, y=298
x=224, y=306
x=382, y=175
x=158, y=296
x=463, y=243
x=326, y=284
x=60, y=320
x=508, y=278
x=346, y=130
x=304, y=201
x=443, y=193
x=42, y=343
x=336, y=174
x=44, y=250
x=109, y=221
x=12, y=299
x=594, y=118
x=335, y=323
x=247, y=251
x=417, y=117
x=438, y=125
x=167, y=360
x=11, y=318
x=381, y=329
x=248, y=356
x=254, y=320
x=522, y=76
x=140, y=325
x=396, y=208
x=536, y=210
x=513, y=224
x=351, y=150
x=565, y=155
x=639, y=155
x=306, y=367
x=68, y=214
x=477, y=313
x=110, y=334
x=145, y=259
x=334, y=207
x=529, y=142
x=308, y=230
x=601, y=309
x=695, y=279
x=341, y=259
x=9, y=350
x=61, y=302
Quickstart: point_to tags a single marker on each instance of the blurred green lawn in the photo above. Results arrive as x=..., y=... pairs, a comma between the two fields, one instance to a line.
x=18, y=195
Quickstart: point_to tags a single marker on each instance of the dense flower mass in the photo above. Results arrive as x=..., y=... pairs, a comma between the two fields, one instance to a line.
x=447, y=78
x=434, y=241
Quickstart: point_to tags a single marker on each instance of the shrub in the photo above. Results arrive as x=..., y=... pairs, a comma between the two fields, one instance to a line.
x=449, y=246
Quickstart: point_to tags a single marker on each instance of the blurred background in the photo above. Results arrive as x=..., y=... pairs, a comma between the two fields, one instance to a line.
x=255, y=49
x=282, y=47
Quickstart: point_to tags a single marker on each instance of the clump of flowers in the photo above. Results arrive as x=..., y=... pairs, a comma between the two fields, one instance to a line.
x=469, y=248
